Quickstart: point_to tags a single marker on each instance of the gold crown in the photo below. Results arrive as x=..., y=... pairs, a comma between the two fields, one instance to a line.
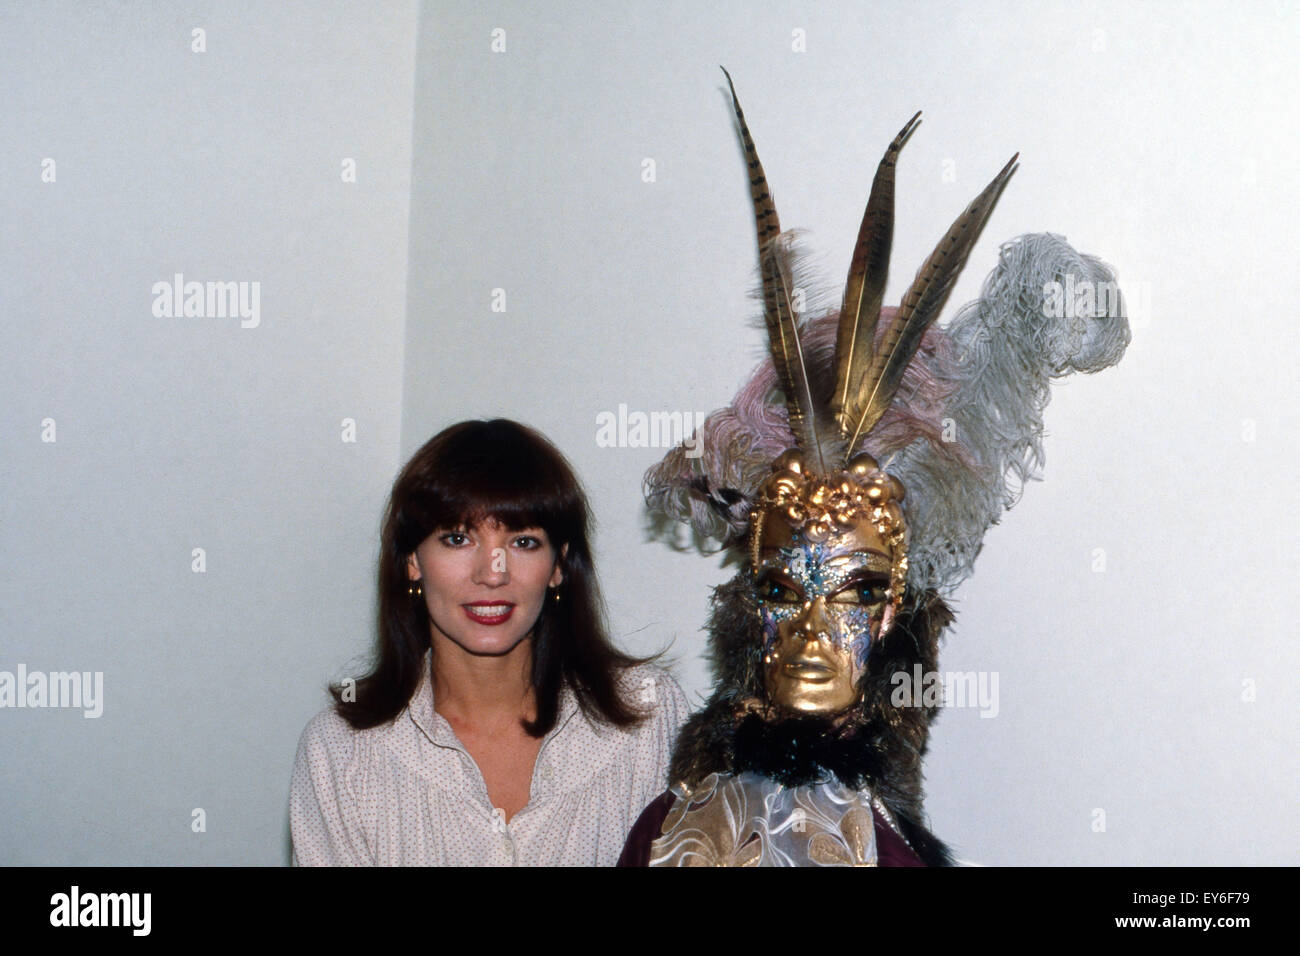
x=823, y=505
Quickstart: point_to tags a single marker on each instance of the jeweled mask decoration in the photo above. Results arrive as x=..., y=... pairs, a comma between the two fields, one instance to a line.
x=827, y=533
x=829, y=555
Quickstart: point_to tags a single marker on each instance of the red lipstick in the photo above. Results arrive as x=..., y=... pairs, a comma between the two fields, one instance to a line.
x=490, y=613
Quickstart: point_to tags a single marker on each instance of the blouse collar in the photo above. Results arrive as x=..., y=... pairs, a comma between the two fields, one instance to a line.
x=438, y=730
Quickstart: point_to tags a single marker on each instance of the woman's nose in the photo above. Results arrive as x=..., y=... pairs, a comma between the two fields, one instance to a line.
x=491, y=567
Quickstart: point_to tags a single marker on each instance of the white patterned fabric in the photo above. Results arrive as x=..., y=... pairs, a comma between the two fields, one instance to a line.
x=409, y=794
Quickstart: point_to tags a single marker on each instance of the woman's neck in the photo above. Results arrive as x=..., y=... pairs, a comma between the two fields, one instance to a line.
x=483, y=690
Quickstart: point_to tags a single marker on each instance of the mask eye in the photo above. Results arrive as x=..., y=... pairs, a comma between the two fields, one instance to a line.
x=864, y=592
x=776, y=591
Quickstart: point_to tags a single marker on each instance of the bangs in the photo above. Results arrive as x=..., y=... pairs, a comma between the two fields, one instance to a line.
x=498, y=470
x=515, y=506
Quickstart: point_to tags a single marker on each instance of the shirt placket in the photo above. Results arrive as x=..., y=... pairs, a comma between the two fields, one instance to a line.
x=476, y=794
x=541, y=770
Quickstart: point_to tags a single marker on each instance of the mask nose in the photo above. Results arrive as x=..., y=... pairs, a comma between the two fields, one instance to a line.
x=813, y=624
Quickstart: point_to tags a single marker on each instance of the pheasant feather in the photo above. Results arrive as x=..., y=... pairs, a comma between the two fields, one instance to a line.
x=921, y=306
x=778, y=311
x=865, y=290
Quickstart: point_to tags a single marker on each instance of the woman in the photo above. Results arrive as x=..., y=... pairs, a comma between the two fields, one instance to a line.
x=499, y=725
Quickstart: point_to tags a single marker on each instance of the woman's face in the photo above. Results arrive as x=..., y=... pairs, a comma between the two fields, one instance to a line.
x=485, y=585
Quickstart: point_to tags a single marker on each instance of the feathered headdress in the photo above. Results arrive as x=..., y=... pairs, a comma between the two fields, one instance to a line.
x=958, y=412
x=953, y=414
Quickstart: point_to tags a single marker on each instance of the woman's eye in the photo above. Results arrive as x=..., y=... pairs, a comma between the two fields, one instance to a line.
x=453, y=538
x=527, y=542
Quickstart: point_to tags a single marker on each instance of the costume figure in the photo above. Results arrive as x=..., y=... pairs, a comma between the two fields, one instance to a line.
x=855, y=476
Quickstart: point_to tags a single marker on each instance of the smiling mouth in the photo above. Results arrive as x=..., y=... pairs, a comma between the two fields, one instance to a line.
x=809, y=671
x=490, y=614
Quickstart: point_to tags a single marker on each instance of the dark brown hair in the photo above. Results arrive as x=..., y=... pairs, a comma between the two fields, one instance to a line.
x=465, y=474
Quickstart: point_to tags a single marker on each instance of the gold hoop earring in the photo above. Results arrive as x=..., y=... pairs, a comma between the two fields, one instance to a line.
x=415, y=589
x=556, y=597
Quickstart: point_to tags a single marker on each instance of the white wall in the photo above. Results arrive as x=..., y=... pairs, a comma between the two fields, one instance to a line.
x=1162, y=138
x=183, y=433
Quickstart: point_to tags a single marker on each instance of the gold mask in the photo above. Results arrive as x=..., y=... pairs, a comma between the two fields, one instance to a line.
x=830, y=563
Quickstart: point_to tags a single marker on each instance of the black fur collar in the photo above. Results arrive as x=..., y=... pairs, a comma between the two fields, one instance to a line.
x=798, y=751
x=879, y=747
